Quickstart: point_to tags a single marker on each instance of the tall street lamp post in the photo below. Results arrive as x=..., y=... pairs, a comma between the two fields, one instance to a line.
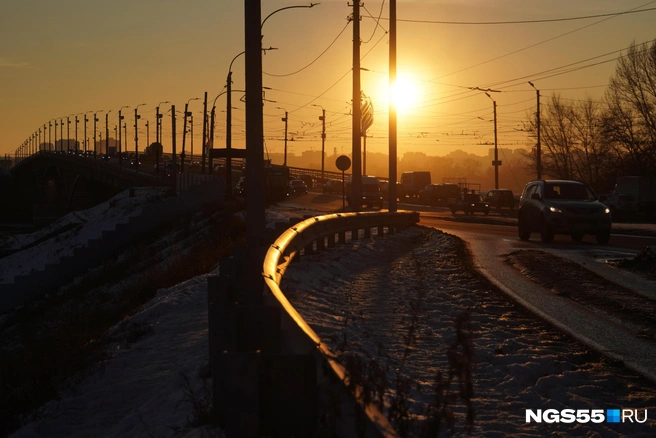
x=77, y=145
x=255, y=186
x=85, y=132
x=323, y=136
x=95, y=121
x=284, y=119
x=61, y=133
x=184, y=132
x=120, y=151
x=496, y=163
x=158, y=127
x=107, y=132
x=136, y=135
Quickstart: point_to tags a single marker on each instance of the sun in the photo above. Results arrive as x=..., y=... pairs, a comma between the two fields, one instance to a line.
x=404, y=93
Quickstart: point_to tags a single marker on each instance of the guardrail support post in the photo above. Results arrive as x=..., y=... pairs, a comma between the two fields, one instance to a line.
x=367, y=232
x=331, y=240
x=321, y=243
x=342, y=237
x=381, y=231
x=309, y=249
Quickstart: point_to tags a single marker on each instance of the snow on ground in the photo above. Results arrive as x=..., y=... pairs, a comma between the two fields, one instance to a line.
x=365, y=296
x=74, y=230
x=157, y=364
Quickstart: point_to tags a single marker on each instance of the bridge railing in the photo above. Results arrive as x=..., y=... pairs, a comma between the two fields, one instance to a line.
x=288, y=351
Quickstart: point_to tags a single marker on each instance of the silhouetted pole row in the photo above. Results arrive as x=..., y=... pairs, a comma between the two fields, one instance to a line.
x=322, y=117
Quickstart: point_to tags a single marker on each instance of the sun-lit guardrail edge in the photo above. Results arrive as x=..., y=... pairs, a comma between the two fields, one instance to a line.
x=304, y=233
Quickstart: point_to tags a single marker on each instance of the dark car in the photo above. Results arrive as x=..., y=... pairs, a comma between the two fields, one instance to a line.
x=435, y=193
x=297, y=186
x=332, y=186
x=470, y=203
x=500, y=198
x=562, y=207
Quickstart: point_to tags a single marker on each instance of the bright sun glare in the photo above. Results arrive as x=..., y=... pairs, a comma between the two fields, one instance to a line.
x=404, y=93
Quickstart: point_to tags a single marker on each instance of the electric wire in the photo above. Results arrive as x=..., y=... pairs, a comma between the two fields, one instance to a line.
x=315, y=59
x=547, y=20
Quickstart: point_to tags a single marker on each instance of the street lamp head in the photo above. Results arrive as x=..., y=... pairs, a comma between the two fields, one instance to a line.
x=531, y=84
x=193, y=98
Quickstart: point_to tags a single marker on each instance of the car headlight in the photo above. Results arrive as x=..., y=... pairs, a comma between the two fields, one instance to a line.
x=473, y=205
x=555, y=210
x=607, y=210
x=487, y=205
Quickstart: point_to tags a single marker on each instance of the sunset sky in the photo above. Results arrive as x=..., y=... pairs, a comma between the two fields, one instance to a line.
x=68, y=57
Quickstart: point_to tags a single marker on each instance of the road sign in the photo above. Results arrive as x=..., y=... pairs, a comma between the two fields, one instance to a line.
x=343, y=163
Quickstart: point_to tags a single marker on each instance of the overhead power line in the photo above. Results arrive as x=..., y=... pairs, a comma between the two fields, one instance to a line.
x=315, y=59
x=548, y=20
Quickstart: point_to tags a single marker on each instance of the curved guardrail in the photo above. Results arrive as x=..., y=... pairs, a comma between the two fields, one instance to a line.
x=303, y=236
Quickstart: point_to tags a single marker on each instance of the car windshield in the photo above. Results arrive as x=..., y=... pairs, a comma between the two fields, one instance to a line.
x=568, y=191
x=473, y=198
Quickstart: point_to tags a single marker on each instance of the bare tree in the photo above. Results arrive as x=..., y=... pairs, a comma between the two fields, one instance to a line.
x=630, y=120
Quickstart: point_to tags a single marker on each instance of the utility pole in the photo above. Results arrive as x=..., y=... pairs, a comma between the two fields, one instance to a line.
x=191, y=133
x=68, y=133
x=136, y=135
x=202, y=170
x=49, y=134
x=120, y=142
x=184, y=132
x=61, y=134
x=95, y=120
x=107, y=132
x=85, y=133
x=147, y=134
x=56, y=135
x=496, y=163
x=174, y=159
x=356, y=174
x=322, y=117
x=77, y=147
x=284, y=119
x=158, y=135
x=538, y=151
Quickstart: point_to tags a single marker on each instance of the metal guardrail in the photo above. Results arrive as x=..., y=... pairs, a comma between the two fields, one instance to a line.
x=304, y=236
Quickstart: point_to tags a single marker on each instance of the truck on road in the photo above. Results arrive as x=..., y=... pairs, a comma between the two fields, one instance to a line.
x=643, y=190
x=414, y=181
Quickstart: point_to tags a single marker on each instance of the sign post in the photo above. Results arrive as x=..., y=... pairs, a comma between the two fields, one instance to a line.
x=343, y=163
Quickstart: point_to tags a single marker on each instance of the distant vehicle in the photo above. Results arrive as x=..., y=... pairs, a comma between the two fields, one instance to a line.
x=435, y=193
x=307, y=179
x=134, y=162
x=400, y=194
x=470, y=203
x=621, y=205
x=169, y=167
x=297, y=186
x=500, y=198
x=642, y=188
x=105, y=157
x=332, y=186
x=562, y=207
x=276, y=183
x=413, y=182
x=372, y=196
